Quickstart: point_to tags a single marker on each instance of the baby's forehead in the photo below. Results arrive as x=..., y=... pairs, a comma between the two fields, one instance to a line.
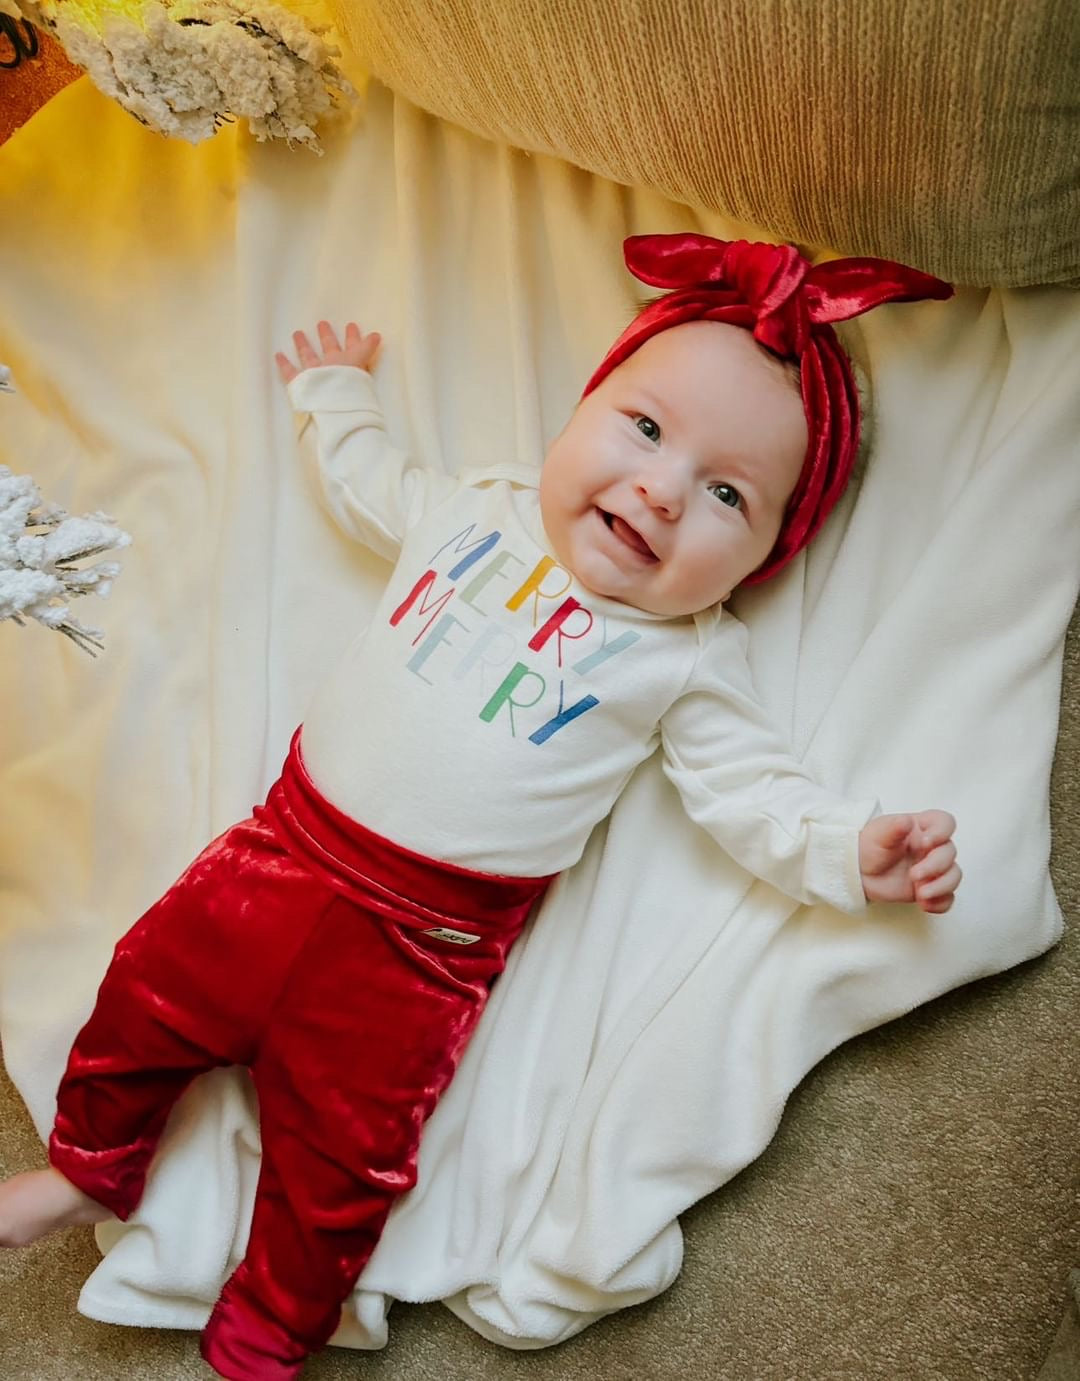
x=695, y=359
x=718, y=343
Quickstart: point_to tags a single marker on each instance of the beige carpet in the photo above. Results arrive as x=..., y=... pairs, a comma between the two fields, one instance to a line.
x=916, y=1217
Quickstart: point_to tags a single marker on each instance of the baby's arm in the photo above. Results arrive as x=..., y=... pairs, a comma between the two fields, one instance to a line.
x=739, y=780
x=374, y=491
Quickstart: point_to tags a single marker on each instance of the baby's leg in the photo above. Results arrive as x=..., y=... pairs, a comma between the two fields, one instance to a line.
x=188, y=988
x=38, y=1202
x=367, y=1035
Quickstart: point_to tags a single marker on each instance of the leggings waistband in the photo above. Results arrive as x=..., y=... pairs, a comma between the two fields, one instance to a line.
x=377, y=872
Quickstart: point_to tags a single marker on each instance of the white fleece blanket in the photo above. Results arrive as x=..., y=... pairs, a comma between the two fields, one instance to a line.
x=654, y=1019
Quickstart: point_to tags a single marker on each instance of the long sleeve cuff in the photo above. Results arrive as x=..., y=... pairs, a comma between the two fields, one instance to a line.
x=334, y=388
x=831, y=872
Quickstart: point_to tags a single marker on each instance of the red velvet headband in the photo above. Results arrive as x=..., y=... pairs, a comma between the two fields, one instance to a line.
x=787, y=303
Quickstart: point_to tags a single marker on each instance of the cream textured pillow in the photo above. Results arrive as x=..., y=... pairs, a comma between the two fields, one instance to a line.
x=944, y=133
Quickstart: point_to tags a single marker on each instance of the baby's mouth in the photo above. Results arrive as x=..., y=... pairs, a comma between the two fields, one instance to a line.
x=629, y=536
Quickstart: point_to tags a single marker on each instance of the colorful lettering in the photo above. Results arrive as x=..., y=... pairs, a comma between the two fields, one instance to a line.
x=439, y=634
x=490, y=636
x=419, y=591
x=587, y=702
x=490, y=571
x=533, y=584
x=555, y=625
x=505, y=695
x=606, y=649
x=480, y=547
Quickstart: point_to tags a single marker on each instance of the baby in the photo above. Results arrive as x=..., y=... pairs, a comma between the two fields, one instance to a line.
x=540, y=636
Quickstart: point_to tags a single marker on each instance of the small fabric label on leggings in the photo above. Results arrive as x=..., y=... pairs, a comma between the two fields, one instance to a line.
x=456, y=937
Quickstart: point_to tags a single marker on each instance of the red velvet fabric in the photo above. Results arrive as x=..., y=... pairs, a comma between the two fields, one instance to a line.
x=773, y=291
x=298, y=944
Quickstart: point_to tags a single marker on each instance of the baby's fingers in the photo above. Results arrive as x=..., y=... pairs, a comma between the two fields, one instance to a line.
x=286, y=369
x=305, y=351
x=936, y=895
x=360, y=349
x=328, y=339
x=934, y=827
x=934, y=863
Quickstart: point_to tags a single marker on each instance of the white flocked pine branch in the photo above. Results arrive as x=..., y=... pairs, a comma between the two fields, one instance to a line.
x=40, y=546
x=184, y=67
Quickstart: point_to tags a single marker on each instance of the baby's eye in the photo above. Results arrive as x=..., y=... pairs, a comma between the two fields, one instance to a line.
x=727, y=494
x=647, y=427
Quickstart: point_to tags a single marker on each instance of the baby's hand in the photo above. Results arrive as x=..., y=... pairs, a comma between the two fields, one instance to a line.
x=910, y=858
x=359, y=350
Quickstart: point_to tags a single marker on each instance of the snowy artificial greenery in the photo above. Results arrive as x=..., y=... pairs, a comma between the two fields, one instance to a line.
x=183, y=67
x=39, y=546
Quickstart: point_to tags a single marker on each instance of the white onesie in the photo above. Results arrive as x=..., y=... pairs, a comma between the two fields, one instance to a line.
x=494, y=708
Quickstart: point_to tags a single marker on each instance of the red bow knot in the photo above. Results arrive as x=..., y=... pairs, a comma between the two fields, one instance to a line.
x=788, y=304
x=768, y=279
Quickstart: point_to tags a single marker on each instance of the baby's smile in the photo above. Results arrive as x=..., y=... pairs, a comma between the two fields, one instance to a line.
x=628, y=537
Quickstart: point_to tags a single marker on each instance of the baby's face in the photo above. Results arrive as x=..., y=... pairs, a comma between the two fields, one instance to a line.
x=668, y=485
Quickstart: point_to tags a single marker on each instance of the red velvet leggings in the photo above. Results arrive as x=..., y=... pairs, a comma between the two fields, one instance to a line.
x=292, y=945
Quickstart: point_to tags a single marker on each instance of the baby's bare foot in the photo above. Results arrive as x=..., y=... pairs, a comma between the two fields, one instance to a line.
x=40, y=1201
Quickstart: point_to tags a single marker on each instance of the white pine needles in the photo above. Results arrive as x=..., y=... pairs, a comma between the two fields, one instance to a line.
x=186, y=66
x=39, y=547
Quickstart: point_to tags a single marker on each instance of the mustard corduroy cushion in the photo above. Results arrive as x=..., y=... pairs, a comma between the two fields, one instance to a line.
x=944, y=133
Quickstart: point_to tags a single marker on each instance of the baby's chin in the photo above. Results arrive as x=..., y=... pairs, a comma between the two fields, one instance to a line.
x=669, y=604
x=662, y=604
x=596, y=573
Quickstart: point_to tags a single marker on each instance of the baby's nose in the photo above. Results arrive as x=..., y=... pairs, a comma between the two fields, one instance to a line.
x=662, y=493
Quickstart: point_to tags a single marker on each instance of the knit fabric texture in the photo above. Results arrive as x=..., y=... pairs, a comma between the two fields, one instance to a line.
x=943, y=133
